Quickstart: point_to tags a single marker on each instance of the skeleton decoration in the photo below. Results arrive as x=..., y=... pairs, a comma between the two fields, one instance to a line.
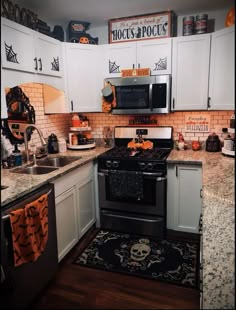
x=139, y=251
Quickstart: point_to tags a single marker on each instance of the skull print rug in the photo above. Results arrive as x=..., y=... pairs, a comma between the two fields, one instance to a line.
x=172, y=261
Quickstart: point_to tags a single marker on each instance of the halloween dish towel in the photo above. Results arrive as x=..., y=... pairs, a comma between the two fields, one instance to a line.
x=30, y=230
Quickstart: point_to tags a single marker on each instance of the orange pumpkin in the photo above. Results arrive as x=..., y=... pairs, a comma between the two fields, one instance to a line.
x=230, y=18
x=84, y=40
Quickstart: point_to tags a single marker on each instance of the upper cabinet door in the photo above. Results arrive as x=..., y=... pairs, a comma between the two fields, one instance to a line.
x=222, y=70
x=155, y=54
x=83, y=77
x=117, y=57
x=17, y=46
x=190, y=72
x=48, y=55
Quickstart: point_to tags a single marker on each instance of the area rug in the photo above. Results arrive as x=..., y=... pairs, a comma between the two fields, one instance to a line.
x=172, y=261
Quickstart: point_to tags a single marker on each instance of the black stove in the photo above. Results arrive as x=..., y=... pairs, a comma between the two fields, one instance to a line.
x=151, y=160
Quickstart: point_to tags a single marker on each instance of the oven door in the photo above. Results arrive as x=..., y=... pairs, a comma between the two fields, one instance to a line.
x=152, y=202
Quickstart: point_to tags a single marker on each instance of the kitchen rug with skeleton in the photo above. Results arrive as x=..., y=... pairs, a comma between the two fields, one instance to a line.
x=172, y=261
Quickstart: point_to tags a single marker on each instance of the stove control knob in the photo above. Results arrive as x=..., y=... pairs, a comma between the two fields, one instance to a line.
x=108, y=163
x=149, y=166
x=142, y=166
x=115, y=164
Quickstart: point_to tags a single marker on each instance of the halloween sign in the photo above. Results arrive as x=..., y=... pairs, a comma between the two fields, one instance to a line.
x=142, y=27
x=77, y=33
x=197, y=123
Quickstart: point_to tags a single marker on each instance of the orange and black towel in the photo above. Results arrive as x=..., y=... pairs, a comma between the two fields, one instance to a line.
x=30, y=230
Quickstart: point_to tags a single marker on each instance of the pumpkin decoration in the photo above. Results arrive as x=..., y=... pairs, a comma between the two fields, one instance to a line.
x=144, y=145
x=196, y=145
x=229, y=21
x=84, y=40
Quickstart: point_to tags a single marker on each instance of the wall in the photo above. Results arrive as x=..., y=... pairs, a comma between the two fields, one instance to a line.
x=58, y=123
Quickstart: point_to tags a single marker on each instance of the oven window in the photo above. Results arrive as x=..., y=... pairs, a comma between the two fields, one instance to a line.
x=147, y=197
x=132, y=97
x=159, y=93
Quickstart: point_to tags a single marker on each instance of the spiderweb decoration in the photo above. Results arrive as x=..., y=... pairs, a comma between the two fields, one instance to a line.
x=55, y=64
x=113, y=68
x=161, y=64
x=11, y=55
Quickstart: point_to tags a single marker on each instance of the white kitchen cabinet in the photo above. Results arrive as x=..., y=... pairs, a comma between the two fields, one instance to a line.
x=27, y=50
x=17, y=46
x=222, y=70
x=66, y=221
x=190, y=72
x=75, y=206
x=83, y=77
x=154, y=54
x=184, y=201
x=86, y=203
x=3, y=101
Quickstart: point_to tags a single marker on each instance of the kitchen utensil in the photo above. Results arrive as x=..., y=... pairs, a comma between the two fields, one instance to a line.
x=213, y=143
x=107, y=93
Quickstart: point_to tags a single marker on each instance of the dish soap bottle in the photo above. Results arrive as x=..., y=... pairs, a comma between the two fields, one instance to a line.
x=17, y=157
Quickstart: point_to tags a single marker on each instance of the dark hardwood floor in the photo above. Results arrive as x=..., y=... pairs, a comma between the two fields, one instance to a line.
x=76, y=287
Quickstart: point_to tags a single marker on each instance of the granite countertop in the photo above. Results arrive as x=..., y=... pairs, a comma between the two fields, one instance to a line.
x=218, y=238
x=22, y=184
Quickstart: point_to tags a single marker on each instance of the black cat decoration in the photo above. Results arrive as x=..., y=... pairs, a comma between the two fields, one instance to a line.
x=77, y=33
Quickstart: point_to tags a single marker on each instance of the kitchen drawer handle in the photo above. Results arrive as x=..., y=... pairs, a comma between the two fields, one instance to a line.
x=129, y=217
x=36, y=64
x=40, y=62
x=208, y=102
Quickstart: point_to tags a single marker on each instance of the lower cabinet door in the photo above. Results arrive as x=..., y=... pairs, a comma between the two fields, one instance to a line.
x=86, y=205
x=66, y=219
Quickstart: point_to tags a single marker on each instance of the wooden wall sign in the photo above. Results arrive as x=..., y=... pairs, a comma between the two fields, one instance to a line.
x=142, y=27
x=197, y=123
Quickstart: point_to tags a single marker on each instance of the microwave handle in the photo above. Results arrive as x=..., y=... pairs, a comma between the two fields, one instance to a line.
x=150, y=97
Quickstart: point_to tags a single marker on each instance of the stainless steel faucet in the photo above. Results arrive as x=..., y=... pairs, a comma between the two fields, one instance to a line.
x=43, y=142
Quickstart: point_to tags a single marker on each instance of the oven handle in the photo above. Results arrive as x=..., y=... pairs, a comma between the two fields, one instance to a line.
x=159, y=177
x=130, y=217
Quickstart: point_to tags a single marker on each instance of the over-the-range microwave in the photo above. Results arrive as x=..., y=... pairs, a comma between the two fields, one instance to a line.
x=142, y=95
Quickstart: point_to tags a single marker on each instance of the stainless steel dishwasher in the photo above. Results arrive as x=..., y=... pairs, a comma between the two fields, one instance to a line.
x=20, y=285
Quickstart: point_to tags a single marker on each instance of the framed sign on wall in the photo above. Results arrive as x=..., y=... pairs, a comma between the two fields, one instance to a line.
x=142, y=27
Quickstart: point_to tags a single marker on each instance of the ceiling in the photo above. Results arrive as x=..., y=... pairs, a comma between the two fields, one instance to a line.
x=98, y=12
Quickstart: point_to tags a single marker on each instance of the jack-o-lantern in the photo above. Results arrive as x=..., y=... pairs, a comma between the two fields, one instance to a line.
x=229, y=21
x=84, y=40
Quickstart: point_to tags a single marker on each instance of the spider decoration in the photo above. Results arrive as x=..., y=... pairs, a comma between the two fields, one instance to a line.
x=161, y=64
x=113, y=68
x=10, y=54
x=55, y=64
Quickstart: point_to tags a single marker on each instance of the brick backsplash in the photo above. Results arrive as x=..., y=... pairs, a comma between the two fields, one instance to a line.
x=218, y=120
x=59, y=123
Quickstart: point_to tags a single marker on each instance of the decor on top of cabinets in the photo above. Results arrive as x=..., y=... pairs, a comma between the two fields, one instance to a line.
x=230, y=18
x=142, y=27
x=77, y=33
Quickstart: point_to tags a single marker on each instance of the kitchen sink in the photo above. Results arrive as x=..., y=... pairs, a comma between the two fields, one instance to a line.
x=34, y=170
x=59, y=161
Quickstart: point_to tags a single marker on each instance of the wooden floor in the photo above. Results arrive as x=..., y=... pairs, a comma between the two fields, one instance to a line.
x=76, y=287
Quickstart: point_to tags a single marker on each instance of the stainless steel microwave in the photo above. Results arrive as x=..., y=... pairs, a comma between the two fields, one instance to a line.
x=142, y=95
